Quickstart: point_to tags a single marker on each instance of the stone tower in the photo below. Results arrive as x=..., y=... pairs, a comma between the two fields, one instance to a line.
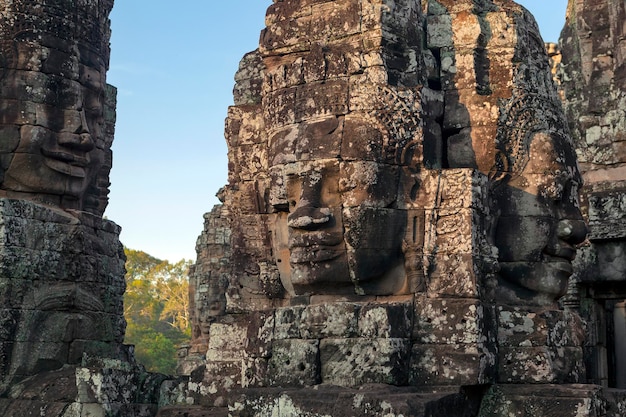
x=61, y=264
x=401, y=217
x=593, y=84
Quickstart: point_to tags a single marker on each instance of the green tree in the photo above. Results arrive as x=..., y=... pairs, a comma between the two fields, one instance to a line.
x=156, y=306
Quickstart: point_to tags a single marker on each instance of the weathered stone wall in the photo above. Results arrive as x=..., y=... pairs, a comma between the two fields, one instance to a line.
x=393, y=214
x=62, y=281
x=400, y=217
x=58, y=113
x=592, y=79
x=61, y=264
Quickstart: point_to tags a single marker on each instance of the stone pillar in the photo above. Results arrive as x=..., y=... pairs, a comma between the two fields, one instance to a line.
x=619, y=320
x=61, y=288
x=593, y=87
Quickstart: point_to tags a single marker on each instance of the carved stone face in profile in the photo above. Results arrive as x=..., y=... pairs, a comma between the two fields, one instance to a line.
x=336, y=230
x=52, y=124
x=540, y=222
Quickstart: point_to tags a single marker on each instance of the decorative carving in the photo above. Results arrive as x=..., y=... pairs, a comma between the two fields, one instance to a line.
x=61, y=264
x=536, y=185
x=57, y=118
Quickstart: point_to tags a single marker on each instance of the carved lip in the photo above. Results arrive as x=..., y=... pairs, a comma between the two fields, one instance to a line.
x=560, y=263
x=313, y=254
x=563, y=251
x=311, y=239
x=315, y=246
x=68, y=163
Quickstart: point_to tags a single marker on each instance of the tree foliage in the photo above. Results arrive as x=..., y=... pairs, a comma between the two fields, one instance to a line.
x=156, y=307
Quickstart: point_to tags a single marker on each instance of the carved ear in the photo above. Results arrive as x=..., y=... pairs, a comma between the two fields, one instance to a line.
x=501, y=169
x=410, y=154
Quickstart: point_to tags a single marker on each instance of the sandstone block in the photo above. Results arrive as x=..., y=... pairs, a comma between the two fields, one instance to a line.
x=543, y=400
x=288, y=322
x=285, y=35
x=385, y=320
x=259, y=334
x=439, y=32
x=456, y=114
x=226, y=342
x=294, y=363
x=354, y=362
x=254, y=372
x=361, y=140
x=335, y=21
x=541, y=364
x=460, y=150
x=279, y=107
x=450, y=365
x=316, y=100
x=329, y=320
x=443, y=321
x=457, y=275
x=520, y=327
x=320, y=139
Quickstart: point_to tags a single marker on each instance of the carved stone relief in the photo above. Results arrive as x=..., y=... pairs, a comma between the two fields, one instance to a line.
x=57, y=122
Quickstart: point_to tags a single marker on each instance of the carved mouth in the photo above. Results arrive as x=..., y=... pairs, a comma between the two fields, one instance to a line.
x=315, y=246
x=563, y=250
x=561, y=256
x=67, y=163
x=308, y=239
x=314, y=254
x=560, y=263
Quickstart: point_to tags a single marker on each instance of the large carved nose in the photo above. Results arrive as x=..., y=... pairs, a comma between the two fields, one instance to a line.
x=308, y=217
x=572, y=231
x=79, y=136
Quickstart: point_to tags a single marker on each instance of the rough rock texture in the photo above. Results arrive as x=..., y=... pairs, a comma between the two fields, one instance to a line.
x=61, y=264
x=107, y=388
x=401, y=211
x=593, y=85
x=58, y=114
x=400, y=219
x=61, y=287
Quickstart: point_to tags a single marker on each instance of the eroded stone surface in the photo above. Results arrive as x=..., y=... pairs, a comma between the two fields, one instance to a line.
x=400, y=219
x=58, y=113
x=62, y=284
x=61, y=264
x=402, y=190
x=592, y=80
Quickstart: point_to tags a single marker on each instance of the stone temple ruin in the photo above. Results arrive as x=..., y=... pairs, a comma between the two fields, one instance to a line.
x=398, y=235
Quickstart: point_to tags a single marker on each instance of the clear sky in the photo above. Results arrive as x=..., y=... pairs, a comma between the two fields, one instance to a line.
x=174, y=69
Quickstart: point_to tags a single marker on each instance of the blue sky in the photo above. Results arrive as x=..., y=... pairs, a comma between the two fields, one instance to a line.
x=174, y=70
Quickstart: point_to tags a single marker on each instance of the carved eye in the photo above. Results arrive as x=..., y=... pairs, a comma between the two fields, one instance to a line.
x=281, y=207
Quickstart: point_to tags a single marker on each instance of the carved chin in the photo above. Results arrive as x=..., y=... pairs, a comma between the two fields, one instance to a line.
x=548, y=279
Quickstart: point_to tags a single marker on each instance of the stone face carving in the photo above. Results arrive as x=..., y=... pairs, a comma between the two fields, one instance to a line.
x=401, y=216
x=61, y=264
x=537, y=185
x=338, y=143
x=62, y=285
x=319, y=236
x=401, y=208
x=56, y=107
x=502, y=116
